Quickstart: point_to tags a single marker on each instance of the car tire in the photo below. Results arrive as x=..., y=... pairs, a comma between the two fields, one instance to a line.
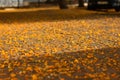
x=91, y=7
x=117, y=9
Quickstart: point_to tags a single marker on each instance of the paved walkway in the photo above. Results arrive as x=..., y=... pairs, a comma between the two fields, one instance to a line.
x=52, y=44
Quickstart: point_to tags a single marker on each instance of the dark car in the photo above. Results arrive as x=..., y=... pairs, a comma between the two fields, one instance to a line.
x=102, y=4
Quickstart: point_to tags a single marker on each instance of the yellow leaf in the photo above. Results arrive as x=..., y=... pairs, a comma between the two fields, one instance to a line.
x=76, y=61
x=62, y=79
x=2, y=66
x=12, y=75
x=34, y=77
x=29, y=68
x=118, y=34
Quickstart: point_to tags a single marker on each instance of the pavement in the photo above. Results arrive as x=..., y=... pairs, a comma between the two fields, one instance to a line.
x=53, y=44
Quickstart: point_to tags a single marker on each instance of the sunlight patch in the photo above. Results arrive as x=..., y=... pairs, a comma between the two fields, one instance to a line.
x=9, y=9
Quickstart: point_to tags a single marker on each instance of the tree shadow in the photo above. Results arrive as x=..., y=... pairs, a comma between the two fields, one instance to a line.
x=53, y=15
x=80, y=65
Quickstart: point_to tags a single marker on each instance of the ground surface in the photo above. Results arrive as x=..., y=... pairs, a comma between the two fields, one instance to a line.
x=53, y=44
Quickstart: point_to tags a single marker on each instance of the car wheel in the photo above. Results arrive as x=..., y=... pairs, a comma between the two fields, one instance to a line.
x=91, y=7
x=117, y=9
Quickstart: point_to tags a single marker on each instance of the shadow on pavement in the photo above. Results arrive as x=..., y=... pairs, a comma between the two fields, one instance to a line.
x=98, y=64
x=53, y=15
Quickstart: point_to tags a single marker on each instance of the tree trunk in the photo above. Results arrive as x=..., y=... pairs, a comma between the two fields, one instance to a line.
x=51, y=1
x=48, y=1
x=81, y=2
x=62, y=4
x=38, y=3
x=18, y=3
